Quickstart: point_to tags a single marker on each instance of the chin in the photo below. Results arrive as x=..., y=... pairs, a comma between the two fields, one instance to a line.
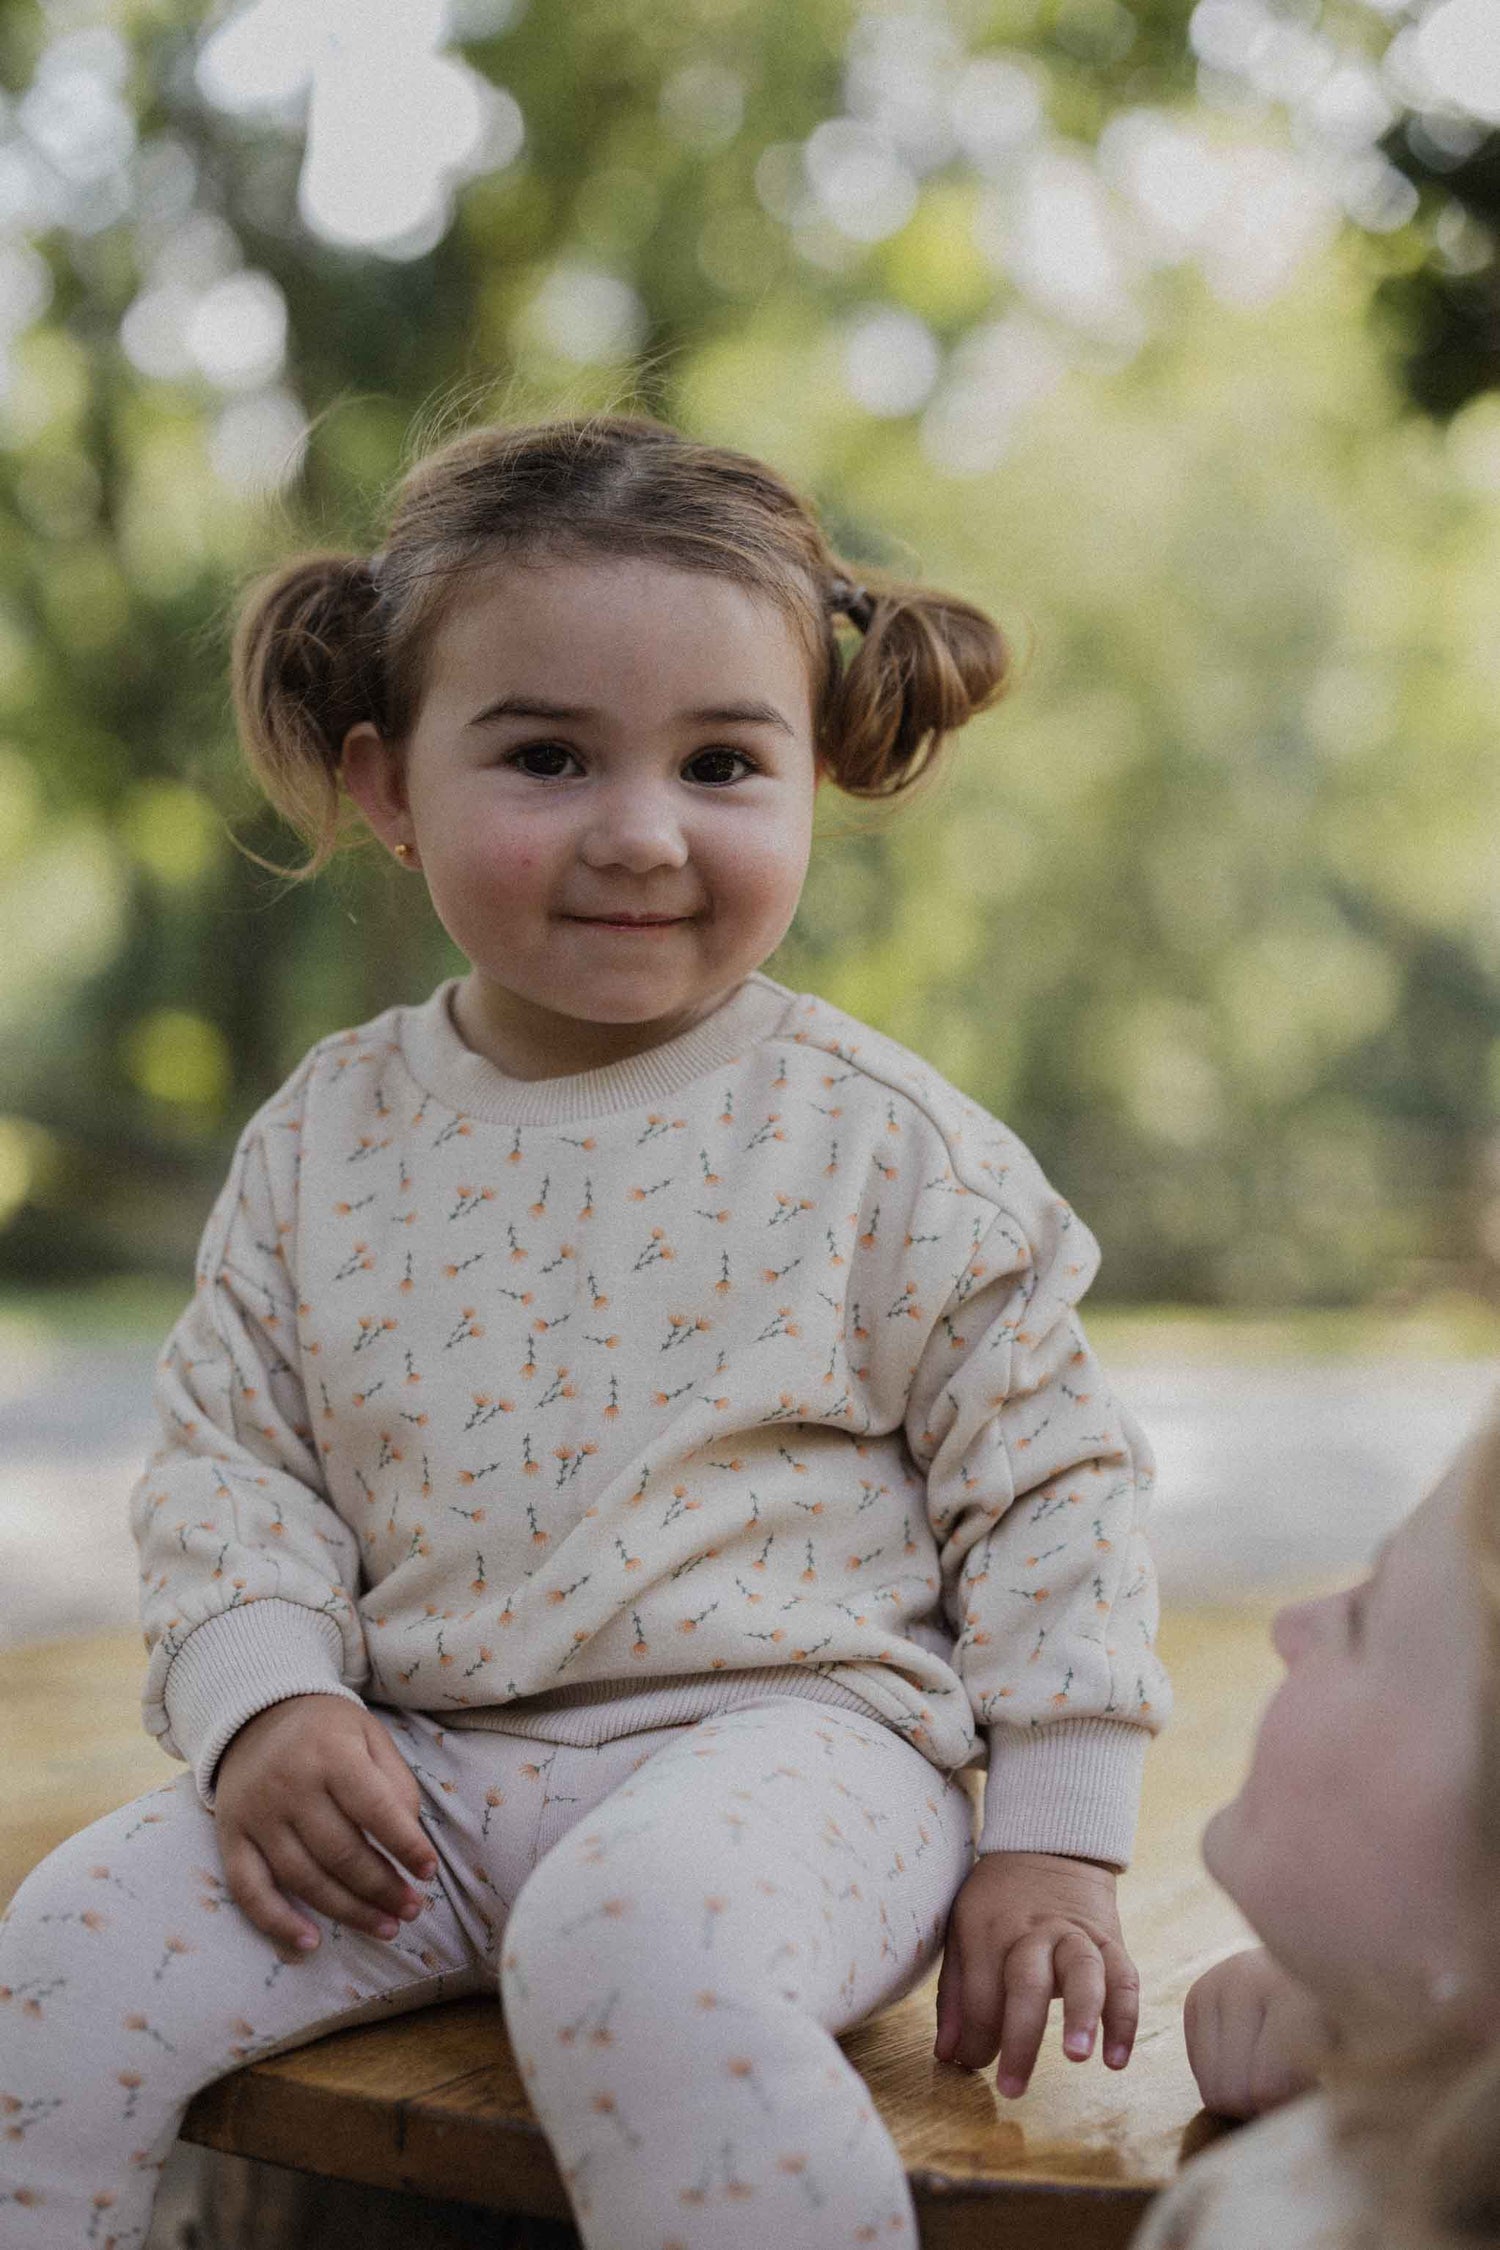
x=600, y=1006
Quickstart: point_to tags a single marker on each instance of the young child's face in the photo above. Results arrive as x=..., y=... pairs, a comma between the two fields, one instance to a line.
x=533, y=830
x=1345, y=1848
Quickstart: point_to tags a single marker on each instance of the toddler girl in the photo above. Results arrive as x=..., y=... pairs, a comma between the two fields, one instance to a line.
x=1364, y=1848
x=631, y=1421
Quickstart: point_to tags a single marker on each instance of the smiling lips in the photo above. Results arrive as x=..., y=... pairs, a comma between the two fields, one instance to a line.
x=630, y=922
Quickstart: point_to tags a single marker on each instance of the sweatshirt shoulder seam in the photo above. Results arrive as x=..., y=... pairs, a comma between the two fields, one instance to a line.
x=828, y=1040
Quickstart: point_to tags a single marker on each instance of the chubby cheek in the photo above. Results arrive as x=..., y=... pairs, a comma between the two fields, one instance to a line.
x=760, y=878
x=510, y=876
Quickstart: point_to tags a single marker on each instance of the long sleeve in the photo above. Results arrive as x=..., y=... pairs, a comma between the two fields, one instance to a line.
x=1036, y=1480
x=248, y=1574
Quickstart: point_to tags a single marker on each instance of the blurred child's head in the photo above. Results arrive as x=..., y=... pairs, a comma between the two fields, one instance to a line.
x=1350, y=1845
x=641, y=585
x=1364, y=1847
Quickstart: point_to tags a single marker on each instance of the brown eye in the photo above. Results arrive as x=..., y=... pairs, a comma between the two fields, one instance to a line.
x=538, y=750
x=710, y=754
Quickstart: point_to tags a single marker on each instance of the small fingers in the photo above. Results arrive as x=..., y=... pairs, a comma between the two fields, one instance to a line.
x=1274, y=2072
x=1030, y=1981
x=976, y=2003
x=351, y=1859
x=345, y=1828
x=1220, y=2070
x=298, y=1869
x=253, y=1889
x=949, y=2005
x=383, y=1797
x=1200, y=2036
x=1122, y=2004
x=1080, y=1973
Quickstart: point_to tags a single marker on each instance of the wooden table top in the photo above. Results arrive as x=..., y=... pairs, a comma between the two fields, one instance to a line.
x=433, y=2101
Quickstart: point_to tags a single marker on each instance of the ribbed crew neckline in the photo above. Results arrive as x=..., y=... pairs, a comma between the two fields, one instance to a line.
x=440, y=1059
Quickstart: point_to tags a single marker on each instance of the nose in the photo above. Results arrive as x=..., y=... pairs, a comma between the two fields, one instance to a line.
x=636, y=827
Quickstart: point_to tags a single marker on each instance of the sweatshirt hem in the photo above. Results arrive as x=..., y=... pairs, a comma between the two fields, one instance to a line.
x=606, y=1710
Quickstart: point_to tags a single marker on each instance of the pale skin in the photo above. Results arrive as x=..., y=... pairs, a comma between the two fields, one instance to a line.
x=294, y=1792
x=1382, y=1679
x=1254, y=2035
x=530, y=831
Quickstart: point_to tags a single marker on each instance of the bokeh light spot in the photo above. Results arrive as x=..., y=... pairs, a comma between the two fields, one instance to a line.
x=173, y=831
x=891, y=360
x=178, y=1056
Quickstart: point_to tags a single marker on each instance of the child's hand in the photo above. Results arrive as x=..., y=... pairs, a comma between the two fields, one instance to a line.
x=1253, y=2035
x=293, y=1790
x=1024, y=1926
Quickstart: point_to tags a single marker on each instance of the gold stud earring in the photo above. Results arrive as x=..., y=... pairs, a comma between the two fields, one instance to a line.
x=402, y=851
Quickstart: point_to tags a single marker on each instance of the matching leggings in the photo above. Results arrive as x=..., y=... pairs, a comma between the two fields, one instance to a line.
x=679, y=1923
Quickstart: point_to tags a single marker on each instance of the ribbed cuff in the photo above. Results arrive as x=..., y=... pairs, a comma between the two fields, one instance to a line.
x=240, y=1662
x=1073, y=1787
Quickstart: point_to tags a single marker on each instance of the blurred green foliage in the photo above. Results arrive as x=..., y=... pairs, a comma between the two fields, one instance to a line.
x=1209, y=910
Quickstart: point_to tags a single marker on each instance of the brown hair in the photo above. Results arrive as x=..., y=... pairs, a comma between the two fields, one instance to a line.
x=330, y=639
x=1422, y=2110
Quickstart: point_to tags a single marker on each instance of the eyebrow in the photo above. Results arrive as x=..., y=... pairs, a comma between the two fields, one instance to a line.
x=537, y=707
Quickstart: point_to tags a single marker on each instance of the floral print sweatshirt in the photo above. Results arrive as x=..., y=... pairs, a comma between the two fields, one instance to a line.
x=584, y=1404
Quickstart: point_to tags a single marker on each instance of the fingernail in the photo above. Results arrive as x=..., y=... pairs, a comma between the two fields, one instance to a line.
x=410, y=1909
x=388, y=1928
x=307, y=1939
x=1078, y=2043
x=1117, y=2057
x=1012, y=2088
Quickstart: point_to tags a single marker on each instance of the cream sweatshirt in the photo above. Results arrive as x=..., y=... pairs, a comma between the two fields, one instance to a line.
x=580, y=1405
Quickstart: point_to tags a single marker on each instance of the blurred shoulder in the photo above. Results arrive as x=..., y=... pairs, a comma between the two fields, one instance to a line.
x=1282, y=2181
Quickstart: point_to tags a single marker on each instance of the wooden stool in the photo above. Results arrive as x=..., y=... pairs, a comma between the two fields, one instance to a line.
x=416, y=2133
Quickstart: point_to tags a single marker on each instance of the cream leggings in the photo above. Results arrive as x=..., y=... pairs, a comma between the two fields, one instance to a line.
x=679, y=1922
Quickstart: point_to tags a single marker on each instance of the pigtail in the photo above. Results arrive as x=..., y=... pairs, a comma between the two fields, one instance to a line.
x=330, y=639
x=304, y=669
x=926, y=662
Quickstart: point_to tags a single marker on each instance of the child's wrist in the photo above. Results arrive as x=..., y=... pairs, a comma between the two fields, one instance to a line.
x=1073, y=1859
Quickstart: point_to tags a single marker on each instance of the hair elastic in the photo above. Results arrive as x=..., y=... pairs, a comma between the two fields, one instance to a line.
x=856, y=602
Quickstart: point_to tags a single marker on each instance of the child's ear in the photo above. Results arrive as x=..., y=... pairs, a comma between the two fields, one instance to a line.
x=371, y=772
